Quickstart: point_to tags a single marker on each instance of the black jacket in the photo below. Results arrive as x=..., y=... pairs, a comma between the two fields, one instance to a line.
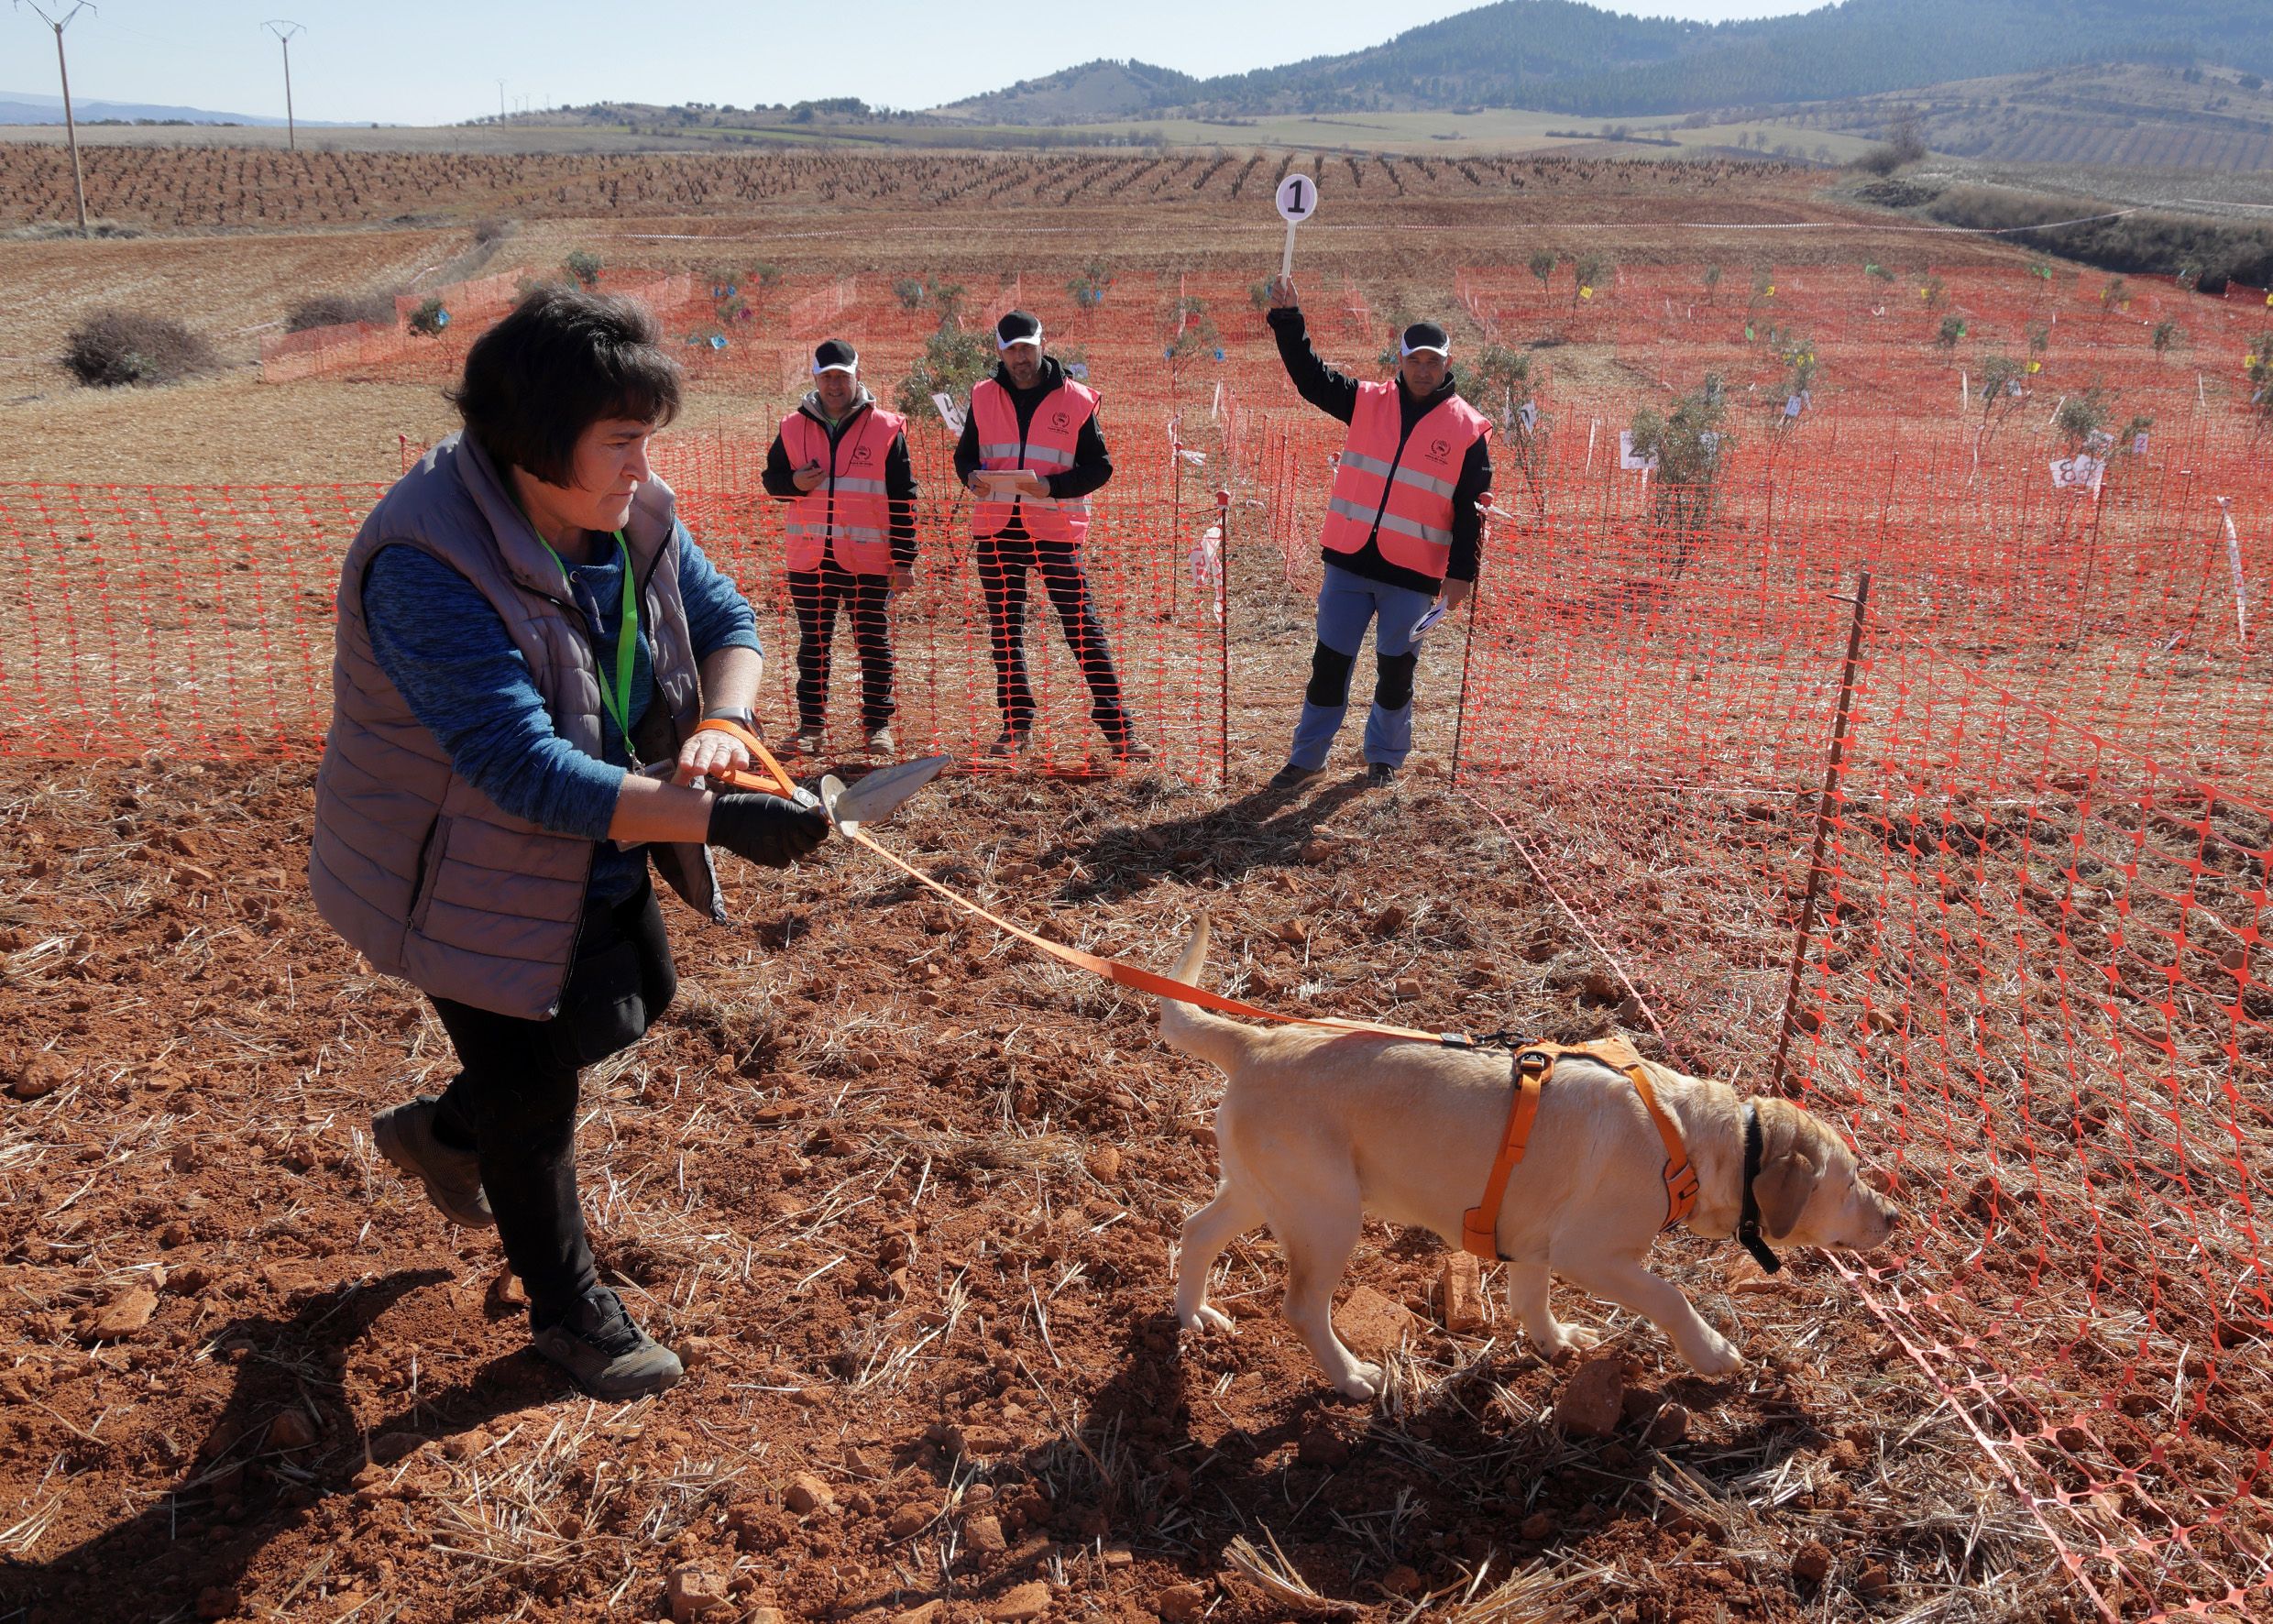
x=1336, y=393
x=1091, y=465
x=899, y=476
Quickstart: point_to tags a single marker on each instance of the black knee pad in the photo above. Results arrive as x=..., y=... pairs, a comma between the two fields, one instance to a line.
x=1329, y=677
x=1392, y=679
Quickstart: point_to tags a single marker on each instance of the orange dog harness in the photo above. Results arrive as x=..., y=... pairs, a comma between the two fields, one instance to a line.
x=1479, y=1226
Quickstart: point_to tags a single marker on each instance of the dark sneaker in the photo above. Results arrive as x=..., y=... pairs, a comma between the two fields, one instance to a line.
x=1007, y=743
x=1292, y=777
x=881, y=743
x=1381, y=775
x=405, y=1136
x=605, y=1354
x=1130, y=752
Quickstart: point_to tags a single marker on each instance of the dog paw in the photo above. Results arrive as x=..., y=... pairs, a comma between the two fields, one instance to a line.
x=1362, y=1383
x=1720, y=1357
x=1571, y=1339
x=1204, y=1318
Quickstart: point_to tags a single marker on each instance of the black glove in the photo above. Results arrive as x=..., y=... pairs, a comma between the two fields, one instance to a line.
x=765, y=829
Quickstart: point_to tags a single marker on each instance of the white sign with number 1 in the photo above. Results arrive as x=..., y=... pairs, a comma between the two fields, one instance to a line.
x=1298, y=200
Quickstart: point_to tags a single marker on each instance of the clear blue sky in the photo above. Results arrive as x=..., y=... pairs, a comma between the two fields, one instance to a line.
x=428, y=61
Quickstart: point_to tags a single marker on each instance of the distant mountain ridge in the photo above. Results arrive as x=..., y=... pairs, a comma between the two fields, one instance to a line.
x=29, y=107
x=1560, y=55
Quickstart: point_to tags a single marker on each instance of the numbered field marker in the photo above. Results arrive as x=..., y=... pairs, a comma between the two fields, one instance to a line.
x=1298, y=200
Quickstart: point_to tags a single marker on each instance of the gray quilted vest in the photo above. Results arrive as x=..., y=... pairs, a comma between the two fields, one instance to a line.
x=422, y=873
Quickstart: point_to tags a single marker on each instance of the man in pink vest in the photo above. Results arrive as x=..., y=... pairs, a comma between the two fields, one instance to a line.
x=1402, y=533
x=840, y=460
x=1031, y=453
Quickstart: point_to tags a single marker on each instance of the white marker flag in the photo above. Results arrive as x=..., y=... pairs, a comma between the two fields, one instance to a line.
x=949, y=413
x=1207, y=567
x=1628, y=460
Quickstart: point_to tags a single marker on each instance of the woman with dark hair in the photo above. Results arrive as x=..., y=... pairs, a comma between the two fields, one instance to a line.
x=535, y=667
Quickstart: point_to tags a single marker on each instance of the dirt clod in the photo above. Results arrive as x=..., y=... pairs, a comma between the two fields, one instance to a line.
x=1371, y=1324
x=982, y=1532
x=36, y=1077
x=1020, y=1602
x=1179, y=1603
x=693, y=1592
x=291, y=1430
x=1460, y=1290
x=1592, y=1401
x=1668, y=1427
x=1811, y=1563
x=805, y=1493
x=123, y=1316
x=1320, y=1447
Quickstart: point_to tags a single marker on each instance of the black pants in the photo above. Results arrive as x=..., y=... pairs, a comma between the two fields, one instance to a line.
x=816, y=595
x=514, y=1099
x=1003, y=563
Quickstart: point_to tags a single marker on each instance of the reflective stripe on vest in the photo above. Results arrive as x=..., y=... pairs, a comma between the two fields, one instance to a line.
x=1047, y=447
x=848, y=516
x=1397, y=488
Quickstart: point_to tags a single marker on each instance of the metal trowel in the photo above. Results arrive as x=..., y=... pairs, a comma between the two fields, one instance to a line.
x=877, y=794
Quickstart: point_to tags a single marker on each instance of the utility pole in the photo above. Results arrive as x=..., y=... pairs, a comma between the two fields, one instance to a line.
x=71, y=125
x=283, y=29
x=500, y=101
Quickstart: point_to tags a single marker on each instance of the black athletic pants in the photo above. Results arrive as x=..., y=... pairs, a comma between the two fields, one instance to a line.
x=514, y=1100
x=1003, y=563
x=816, y=595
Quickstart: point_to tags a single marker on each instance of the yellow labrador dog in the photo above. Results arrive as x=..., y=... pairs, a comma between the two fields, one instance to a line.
x=1318, y=1129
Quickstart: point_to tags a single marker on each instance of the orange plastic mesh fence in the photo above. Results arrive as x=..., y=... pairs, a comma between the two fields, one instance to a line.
x=2034, y=991
x=197, y=620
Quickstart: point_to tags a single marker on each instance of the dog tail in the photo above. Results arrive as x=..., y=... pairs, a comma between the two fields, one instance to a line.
x=1189, y=1029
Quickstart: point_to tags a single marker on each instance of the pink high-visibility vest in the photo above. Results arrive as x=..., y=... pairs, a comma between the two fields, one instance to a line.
x=846, y=515
x=1401, y=493
x=1046, y=447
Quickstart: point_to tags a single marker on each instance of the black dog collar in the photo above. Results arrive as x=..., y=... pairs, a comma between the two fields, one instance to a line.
x=1748, y=1220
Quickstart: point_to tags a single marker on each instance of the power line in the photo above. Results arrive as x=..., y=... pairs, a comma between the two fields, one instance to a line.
x=284, y=30
x=71, y=125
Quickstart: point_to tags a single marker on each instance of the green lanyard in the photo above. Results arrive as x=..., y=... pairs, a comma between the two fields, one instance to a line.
x=618, y=704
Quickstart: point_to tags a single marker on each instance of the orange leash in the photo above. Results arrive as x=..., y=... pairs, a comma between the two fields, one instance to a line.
x=1480, y=1224
x=1128, y=975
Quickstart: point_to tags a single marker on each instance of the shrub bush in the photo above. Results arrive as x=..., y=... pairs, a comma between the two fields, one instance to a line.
x=952, y=362
x=585, y=266
x=428, y=319
x=113, y=348
x=1691, y=447
x=333, y=310
x=2145, y=243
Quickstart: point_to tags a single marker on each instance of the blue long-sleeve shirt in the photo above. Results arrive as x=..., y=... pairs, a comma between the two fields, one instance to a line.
x=449, y=656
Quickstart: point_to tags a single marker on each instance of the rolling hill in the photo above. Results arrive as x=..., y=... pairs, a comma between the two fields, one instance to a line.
x=1560, y=55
